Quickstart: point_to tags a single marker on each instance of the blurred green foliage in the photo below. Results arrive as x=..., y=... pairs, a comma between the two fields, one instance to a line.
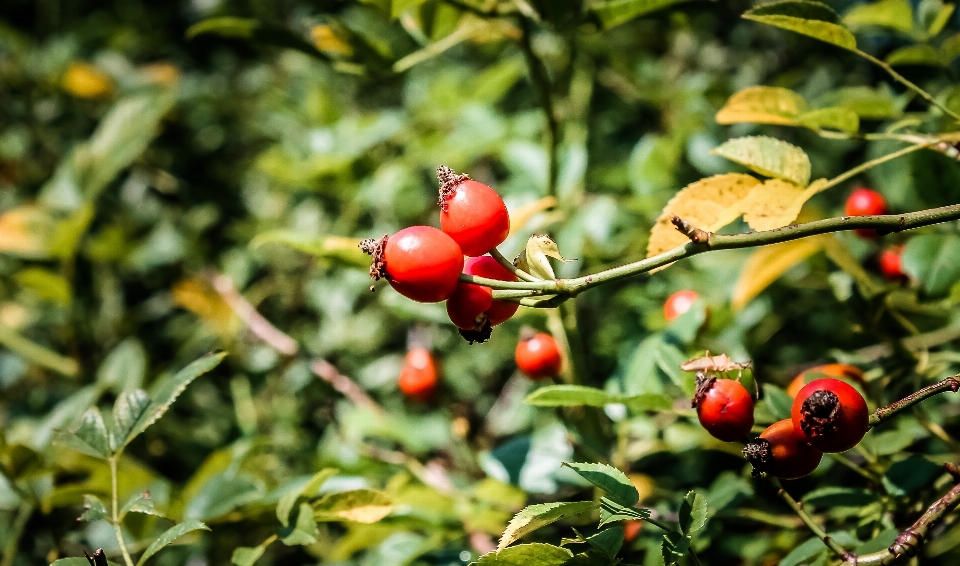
x=146, y=148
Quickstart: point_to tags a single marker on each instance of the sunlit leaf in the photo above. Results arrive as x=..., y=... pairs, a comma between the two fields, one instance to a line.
x=140, y=503
x=84, y=80
x=834, y=118
x=941, y=20
x=93, y=432
x=535, y=257
x=170, y=535
x=308, y=489
x=339, y=247
x=812, y=19
x=921, y=54
x=535, y=516
x=26, y=231
x=304, y=531
x=763, y=105
x=674, y=547
x=765, y=265
x=615, y=483
x=535, y=554
x=359, y=506
x=93, y=509
x=776, y=203
x=615, y=12
x=868, y=103
x=769, y=157
x=199, y=297
x=568, y=396
x=693, y=512
x=934, y=260
x=893, y=14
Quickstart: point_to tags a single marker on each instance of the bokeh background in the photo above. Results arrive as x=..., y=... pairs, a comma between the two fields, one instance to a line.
x=138, y=162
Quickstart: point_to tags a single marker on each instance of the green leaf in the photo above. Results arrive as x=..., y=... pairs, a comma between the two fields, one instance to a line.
x=359, y=506
x=124, y=367
x=328, y=246
x=246, y=555
x=921, y=54
x=611, y=511
x=778, y=401
x=840, y=497
x=93, y=432
x=46, y=285
x=646, y=402
x=674, y=547
x=835, y=118
x=868, y=103
x=140, y=504
x=804, y=552
x=533, y=517
x=763, y=105
x=615, y=12
x=941, y=20
x=693, y=512
x=768, y=156
x=225, y=27
x=883, y=540
x=170, y=535
x=93, y=509
x=608, y=541
x=398, y=7
x=309, y=489
x=812, y=19
x=611, y=480
x=907, y=476
x=535, y=554
x=252, y=30
x=950, y=47
x=304, y=531
x=74, y=561
x=934, y=261
x=569, y=396
x=893, y=14
x=128, y=409
x=167, y=392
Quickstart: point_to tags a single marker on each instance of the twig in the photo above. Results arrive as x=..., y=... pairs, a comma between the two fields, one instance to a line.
x=114, y=514
x=255, y=321
x=36, y=353
x=541, y=81
x=885, y=413
x=508, y=265
x=808, y=520
x=908, y=542
x=327, y=372
x=24, y=512
x=695, y=234
x=903, y=80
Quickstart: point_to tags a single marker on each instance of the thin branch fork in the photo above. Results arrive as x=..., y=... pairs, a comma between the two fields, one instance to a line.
x=346, y=386
x=883, y=414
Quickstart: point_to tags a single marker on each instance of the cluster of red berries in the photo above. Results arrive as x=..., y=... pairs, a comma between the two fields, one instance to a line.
x=865, y=202
x=828, y=415
x=424, y=264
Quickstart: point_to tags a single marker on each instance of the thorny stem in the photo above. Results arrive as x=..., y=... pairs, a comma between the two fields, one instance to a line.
x=541, y=81
x=715, y=242
x=908, y=542
x=808, y=520
x=508, y=265
x=114, y=514
x=903, y=80
x=885, y=413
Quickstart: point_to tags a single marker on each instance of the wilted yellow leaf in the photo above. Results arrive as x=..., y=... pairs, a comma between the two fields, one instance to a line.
x=768, y=263
x=327, y=40
x=26, y=231
x=768, y=156
x=763, y=105
x=198, y=297
x=708, y=204
x=86, y=81
x=522, y=215
x=776, y=203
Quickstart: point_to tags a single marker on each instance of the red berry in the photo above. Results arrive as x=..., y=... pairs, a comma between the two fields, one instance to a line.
x=538, y=356
x=679, y=303
x=472, y=307
x=420, y=262
x=418, y=378
x=468, y=305
x=864, y=202
x=472, y=213
x=782, y=453
x=631, y=529
x=830, y=415
x=891, y=263
x=845, y=372
x=724, y=407
x=486, y=266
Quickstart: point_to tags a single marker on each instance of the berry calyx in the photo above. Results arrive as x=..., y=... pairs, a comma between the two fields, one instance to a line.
x=830, y=415
x=679, y=303
x=420, y=262
x=865, y=202
x=844, y=372
x=418, y=378
x=472, y=307
x=724, y=407
x=782, y=453
x=472, y=213
x=538, y=356
x=890, y=262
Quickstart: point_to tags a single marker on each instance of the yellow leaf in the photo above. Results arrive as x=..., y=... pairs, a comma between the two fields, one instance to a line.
x=198, y=297
x=768, y=263
x=83, y=80
x=161, y=72
x=763, y=105
x=776, y=203
x=26, y=231
x=327, y=40
x=708, y=204
x=522, y=215
x=768, y=156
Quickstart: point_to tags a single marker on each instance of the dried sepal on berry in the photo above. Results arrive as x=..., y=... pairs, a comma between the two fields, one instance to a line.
x=449, y=179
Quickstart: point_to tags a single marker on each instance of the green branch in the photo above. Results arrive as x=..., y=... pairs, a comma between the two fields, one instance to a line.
x=885, y=413
x=114, y=514
x=903, y=80
x=809, y=522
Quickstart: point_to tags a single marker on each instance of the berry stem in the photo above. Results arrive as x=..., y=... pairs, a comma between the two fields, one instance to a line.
x=508, y=265
x=884, y=414
x=808, y=520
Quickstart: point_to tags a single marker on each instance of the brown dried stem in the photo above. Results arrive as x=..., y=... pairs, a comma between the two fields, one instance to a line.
x=260, y=326
x=349, y=388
